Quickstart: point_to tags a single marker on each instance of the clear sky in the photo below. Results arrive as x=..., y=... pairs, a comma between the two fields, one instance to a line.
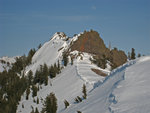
x=24, y=24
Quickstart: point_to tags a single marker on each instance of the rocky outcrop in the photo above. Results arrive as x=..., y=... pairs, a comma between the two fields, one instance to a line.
x=91, y=42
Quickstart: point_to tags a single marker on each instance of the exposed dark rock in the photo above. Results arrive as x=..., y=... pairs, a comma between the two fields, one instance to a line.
x=91, y=42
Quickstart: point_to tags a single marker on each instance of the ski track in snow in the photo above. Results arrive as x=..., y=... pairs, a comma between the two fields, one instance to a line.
x=121, y=76
x=83, y=68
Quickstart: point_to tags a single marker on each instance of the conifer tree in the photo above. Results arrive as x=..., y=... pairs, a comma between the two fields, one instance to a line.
x=52, y=72
x=71, y=61
x=27, y=93
x=30, y=55
x=34, y=89
x=79, y=98
x=40, y=45
x=58, y=66
x=133, y=53
x=65, y=59
x=50, y=104
x=37, y=101
x=139, y=55
x=45, y=74
x=84, y=91
x=30, y=77
x=66, y=103
x=36, y=110
x=32, y=111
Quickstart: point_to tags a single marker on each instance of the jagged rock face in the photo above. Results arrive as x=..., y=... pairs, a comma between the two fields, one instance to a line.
x=90, y=42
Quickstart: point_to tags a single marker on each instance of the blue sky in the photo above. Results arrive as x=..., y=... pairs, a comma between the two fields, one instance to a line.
x=24, y=24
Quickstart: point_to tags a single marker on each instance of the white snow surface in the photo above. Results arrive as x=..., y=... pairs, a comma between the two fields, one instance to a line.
x=49, y=53
x=125, y=90
x=5, y=66
x=67, y=85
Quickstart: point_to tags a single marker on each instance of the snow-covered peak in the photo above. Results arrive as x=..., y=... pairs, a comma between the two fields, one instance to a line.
x=59, y=35
x=50, y=52
x=76, y=37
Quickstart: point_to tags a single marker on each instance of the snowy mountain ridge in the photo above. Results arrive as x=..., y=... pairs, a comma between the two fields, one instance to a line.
x=111, y=94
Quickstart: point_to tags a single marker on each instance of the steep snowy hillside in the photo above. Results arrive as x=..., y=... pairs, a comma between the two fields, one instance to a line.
x=50, y=52
x=6, y=63
x=67, y=85
x=126, y=90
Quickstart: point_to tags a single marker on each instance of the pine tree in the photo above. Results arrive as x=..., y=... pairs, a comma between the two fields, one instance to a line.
x=139, y=55
x=52, y=72
x=40, y=45
x=58, y=66
x=65, y=59
x=76, y=100
x=27, y=93
x=34, y=89
x=84, y=91
x=36, y=110
x=66, y=103
x=71, y=61
x=37, y=77
x=133, y=53
x=37, y=101
x=30, y=55
x=50, y=104
x=45, y=74
x=32, y=111
x=79, y=99
x=30, y=77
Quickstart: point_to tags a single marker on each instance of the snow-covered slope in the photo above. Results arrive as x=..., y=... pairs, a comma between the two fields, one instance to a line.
x=133, y=93
x=6, y=63
x=126, y=90
x=49, y=53
x=67, y=85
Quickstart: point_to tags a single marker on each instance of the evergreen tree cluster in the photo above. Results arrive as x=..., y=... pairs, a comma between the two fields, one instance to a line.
x=50, y=104
x=79, y=99
x=23, y=61
x=34, y=90
x=132, y=55
x=12, y=86
x=54, y=70
x=41, y=75
x=30, y=55
x=11, y=89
